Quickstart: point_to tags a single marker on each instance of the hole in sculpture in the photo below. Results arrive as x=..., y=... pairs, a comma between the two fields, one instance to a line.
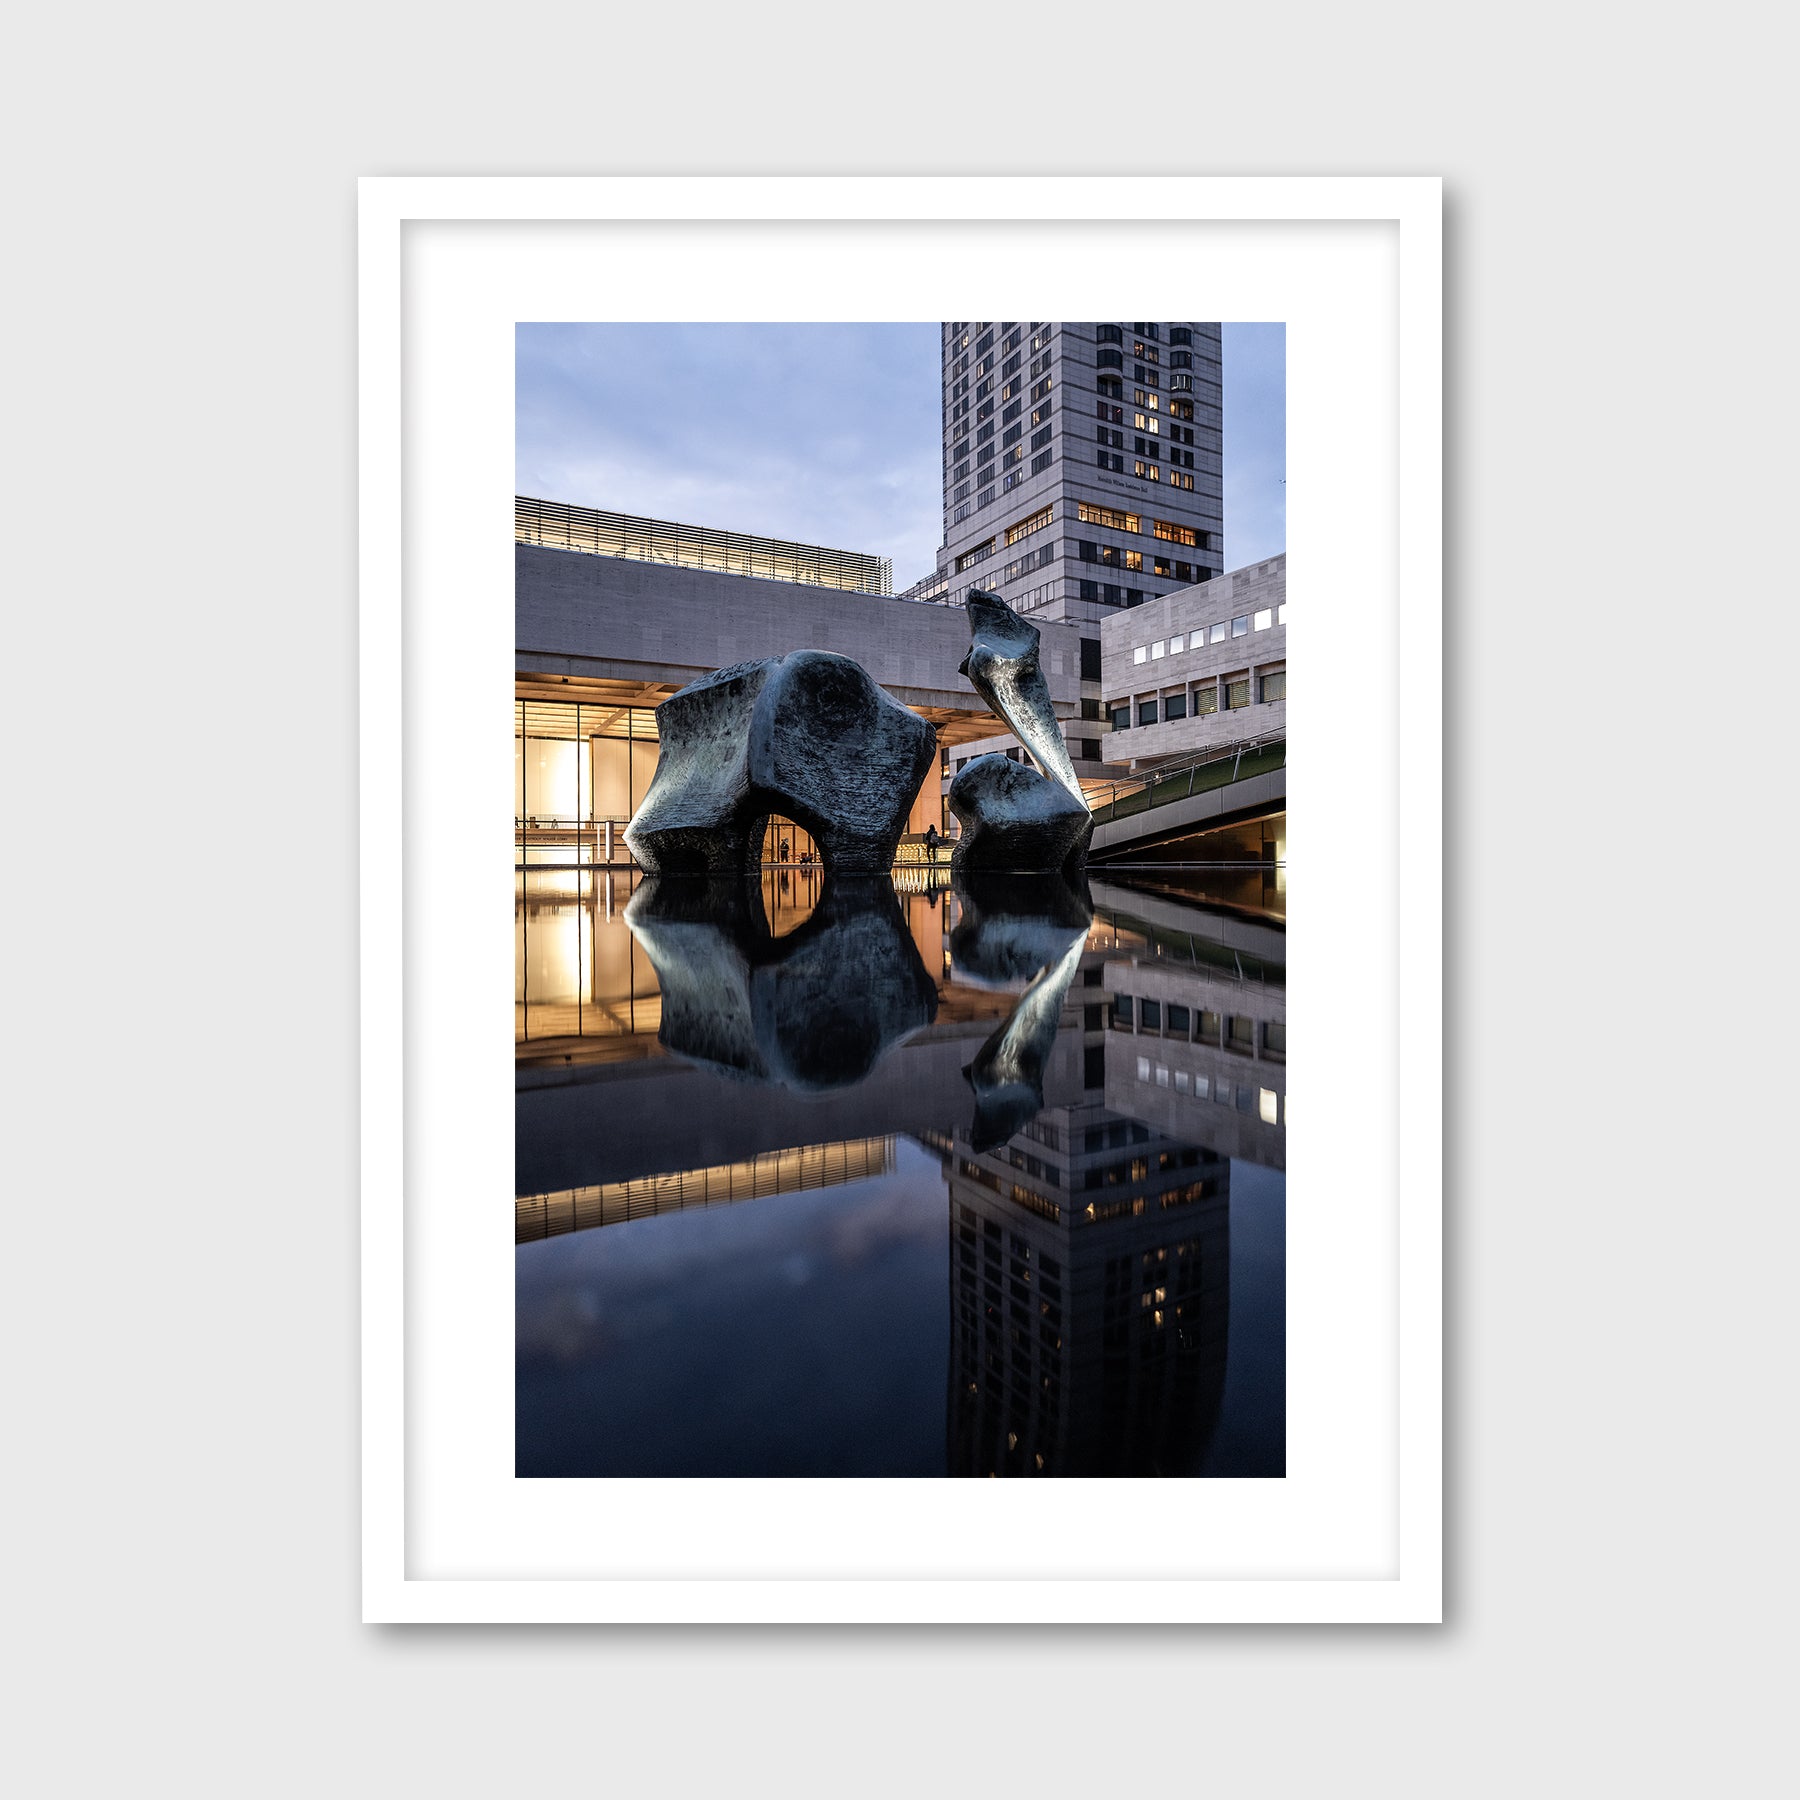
x=792, y=874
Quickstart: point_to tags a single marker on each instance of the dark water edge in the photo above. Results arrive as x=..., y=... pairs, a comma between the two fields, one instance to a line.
x=1039, y=1230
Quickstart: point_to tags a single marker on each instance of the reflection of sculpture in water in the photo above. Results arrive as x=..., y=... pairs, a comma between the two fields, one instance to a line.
x=1089, y=1252
x=1013, y=930
x=816, y=1009
x=1015, y=817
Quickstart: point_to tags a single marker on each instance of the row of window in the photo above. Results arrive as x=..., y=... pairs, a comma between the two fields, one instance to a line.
x=1108, y=594
x=1115, y=334
x=1241, y=626
x=1223, y=1031
x=1268, y=1106
x=1113, y=557
x=1206, y=696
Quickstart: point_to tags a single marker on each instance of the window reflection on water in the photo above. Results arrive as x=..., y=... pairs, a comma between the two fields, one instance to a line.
x=1036, y=1229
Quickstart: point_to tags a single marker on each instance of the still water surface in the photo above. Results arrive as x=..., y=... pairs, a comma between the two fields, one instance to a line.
x=837, y=1179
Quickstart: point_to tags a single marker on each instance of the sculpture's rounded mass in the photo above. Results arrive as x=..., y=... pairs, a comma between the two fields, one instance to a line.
x=808, y=735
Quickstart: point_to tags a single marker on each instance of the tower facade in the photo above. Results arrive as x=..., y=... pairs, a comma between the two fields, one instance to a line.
x=1082, y=464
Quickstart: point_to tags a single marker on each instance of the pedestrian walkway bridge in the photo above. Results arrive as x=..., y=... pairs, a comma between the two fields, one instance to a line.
x=1212, y=788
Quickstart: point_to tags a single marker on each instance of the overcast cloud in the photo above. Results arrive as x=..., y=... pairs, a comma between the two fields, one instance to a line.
x=826, y=434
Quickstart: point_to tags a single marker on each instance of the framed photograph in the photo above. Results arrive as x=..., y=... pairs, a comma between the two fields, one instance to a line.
x=906, y=1225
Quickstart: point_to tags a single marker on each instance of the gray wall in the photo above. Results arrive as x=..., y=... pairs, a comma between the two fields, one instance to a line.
x=1241, y=594
x=608, y=617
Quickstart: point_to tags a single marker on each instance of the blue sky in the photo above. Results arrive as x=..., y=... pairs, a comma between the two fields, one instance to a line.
x=827, y=434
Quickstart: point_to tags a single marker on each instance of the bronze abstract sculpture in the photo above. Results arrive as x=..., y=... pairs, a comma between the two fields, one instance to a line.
x=807, y=735
x=1014, y=817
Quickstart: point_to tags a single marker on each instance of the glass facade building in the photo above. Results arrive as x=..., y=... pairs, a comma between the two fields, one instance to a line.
x=558, y=526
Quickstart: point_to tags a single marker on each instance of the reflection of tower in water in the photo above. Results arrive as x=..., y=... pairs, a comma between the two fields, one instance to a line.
x=1089, y=1298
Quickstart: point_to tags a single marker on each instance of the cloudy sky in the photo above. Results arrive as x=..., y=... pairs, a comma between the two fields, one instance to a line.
x=827, y=434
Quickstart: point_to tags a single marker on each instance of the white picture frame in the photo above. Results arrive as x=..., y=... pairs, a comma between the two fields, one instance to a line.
x=1354, y=1532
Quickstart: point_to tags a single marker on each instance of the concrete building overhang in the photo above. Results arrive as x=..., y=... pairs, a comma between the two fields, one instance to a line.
x=605, y=630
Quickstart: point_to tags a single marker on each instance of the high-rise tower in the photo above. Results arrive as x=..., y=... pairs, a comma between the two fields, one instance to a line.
x=1082, y=475
x=1082, y=465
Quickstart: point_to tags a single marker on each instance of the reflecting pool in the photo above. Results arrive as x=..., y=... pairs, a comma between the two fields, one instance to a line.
x=895, y=1177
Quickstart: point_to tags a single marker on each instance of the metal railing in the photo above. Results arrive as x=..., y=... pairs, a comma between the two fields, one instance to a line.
x=1187, y=776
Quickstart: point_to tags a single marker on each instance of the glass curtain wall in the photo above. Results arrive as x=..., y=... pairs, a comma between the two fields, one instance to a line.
x=578, y=769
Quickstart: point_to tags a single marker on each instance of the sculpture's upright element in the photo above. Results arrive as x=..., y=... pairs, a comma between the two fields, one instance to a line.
x=814, y=1010
x=1014, y=817
x=1002, y=666
x=808, y=735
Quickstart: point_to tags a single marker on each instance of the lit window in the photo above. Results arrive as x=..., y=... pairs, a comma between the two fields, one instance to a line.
x=1156, y=650
x=1265, y=1105
x=1264, y=619
x=1240, y=627
x=1138, y=655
